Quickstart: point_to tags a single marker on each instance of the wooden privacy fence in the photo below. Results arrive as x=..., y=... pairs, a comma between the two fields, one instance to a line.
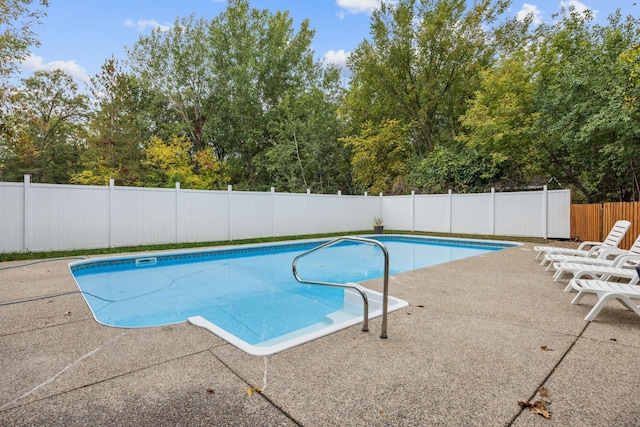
x=593, y=221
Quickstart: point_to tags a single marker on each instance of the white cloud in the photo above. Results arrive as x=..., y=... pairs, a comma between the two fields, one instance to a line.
x=530, y=9
x=578, y=6
x=360, y=6
x=143, y=24
x=34, y=63
x=336, y=57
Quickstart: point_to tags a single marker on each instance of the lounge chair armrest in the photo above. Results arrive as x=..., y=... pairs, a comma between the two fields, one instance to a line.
x=608, y=253
x=594, y=251
x=629, y=260
x=583, y=245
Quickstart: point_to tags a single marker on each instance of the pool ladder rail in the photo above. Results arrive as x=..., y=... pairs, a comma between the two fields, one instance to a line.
x=360, y=289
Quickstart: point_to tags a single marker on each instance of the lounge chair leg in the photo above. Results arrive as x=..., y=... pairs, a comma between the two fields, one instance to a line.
x=596, y=308
x=577, y=298
x=558, y=274
x=604, y=299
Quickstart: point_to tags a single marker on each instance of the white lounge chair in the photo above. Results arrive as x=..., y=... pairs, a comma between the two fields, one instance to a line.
x=606, y=291
x=571, y=264
x=585, y=271
x=588, y=248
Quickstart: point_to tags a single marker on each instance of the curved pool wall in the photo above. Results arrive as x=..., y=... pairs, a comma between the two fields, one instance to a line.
x=341, y=310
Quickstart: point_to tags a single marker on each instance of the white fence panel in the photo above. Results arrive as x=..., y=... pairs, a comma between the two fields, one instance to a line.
x=559, y=214
x=471, y=214
x=353, y=210
x=65, y=217
x=373, y=209
x=520, y=214
x=433, y=213
x=203, y=216
x=397, y=212
x=325, y=213
x=12, y=217
x=251, y=215
x=291, y=214
x=143, y=216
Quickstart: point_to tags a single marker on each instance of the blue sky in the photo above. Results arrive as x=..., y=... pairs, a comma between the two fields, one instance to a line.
x=78, y=35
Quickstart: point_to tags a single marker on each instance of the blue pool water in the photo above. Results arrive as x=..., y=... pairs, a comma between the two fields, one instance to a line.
x=250, y=292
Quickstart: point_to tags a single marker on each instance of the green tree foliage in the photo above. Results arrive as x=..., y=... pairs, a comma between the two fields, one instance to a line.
x=167, y=163
x=499, y=124
x=305, y=152
x=587, y=138
x=17, y=19
x=177, y=64
x=421, y=66
x=261, y=63
x=117, y=128
x=381, y=154
x=235, y=81
x=47, y=129
x=459, y=168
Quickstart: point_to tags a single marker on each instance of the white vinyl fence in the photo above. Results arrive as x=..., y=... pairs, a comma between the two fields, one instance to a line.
x=47, y=217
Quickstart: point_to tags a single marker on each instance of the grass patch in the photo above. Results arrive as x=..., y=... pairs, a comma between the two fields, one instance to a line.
x=16, y=256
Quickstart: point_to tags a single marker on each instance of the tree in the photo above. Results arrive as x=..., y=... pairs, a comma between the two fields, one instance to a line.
x=177, y=64
x=17, y=18
x=234, y=80
x=259, y=60
x=587, y=138
x=168, y=163
x=306, y=152
x=421, y=66
x=499, y=123
x=380, y=157
x=123, y=120
x=48, y=131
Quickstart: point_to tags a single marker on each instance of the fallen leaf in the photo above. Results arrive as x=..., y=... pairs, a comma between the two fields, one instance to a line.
x=545, y=348
x=251, y=390
x=544, y=392
x=537, y=407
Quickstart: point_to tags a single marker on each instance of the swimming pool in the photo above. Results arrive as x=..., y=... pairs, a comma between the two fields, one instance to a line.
x=247, y=295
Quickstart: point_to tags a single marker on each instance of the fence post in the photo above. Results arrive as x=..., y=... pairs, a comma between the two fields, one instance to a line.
x=341, y=210
x=545, y=211
x=413, y=211
x=366, y=205
x=229, y=189
x=273, y=211
x=178, y=212
x=112, y=183
x=493, y=211
x=381, y=214
x=308, y=222
x=450, y=216
x=26, y=214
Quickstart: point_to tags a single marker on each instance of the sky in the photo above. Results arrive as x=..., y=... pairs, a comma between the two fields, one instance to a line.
x=77, y=36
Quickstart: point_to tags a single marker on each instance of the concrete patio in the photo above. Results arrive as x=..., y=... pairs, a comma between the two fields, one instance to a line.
x=480, y=335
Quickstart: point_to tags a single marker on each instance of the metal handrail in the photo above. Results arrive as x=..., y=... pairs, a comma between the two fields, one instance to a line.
x=360, y=289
